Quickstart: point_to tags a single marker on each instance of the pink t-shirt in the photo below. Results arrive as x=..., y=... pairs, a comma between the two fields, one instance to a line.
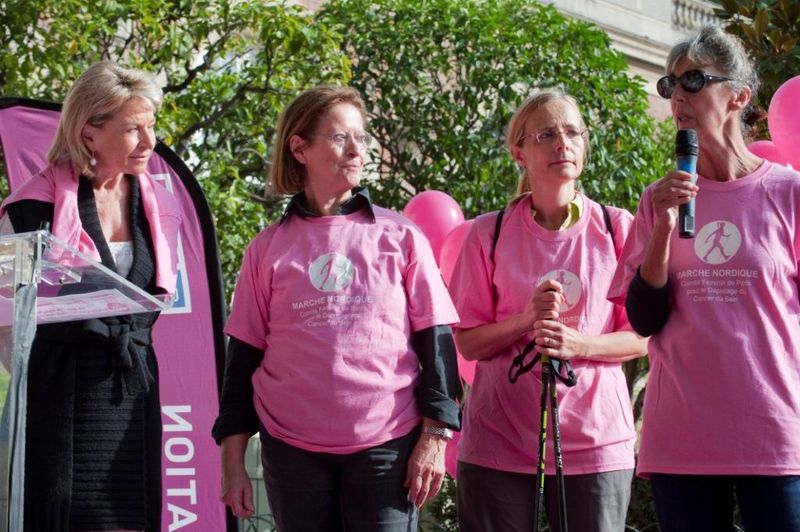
x=333, y=302
x=501, y=422
x=723, y=395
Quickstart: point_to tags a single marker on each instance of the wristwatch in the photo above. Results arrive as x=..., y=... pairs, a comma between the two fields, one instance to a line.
x=441, y=432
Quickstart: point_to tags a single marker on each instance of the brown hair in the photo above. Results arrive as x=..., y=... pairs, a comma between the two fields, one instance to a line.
x=301, y=118
x=93, y=99
x=515, y=132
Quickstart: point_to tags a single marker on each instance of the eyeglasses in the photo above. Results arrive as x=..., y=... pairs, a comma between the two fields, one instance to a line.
x=691, y=81
x=341, y=139
x=550, y=134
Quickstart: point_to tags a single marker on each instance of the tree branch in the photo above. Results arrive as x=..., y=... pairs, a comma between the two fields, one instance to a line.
x=192, y=73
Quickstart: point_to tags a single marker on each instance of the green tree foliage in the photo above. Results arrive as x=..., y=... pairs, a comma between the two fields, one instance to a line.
x=770, y=30
x=442, y=78
x=227, y=68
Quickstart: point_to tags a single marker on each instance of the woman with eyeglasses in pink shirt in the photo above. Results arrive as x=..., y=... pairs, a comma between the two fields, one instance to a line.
x=540, y=274
x=341, y=355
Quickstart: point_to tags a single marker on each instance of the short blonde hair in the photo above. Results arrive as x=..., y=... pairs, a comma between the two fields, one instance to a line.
x=93, y=99
x=301, y=117
x=515, y=132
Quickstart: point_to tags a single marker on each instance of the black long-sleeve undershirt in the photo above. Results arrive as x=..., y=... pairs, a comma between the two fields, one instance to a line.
x=648, y=308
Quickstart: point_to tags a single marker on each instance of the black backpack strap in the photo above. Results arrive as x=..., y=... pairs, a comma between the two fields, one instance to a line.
x=607, y=218
x=609, y=227
x=497, y=225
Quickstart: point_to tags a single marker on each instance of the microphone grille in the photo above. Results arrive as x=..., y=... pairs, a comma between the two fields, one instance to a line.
x=686, y=142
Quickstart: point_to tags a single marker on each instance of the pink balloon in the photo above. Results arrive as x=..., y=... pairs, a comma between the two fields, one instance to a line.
x=451, y=248
x=436, y=214
x=451, y=455
x=766, y=149
x=783, y=119
x=466, y=368
x=448, y=256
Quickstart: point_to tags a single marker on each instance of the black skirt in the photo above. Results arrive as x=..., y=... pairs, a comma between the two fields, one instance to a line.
x=93, y=429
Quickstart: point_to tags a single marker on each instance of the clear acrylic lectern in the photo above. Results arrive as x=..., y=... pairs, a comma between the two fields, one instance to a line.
x=44, y=280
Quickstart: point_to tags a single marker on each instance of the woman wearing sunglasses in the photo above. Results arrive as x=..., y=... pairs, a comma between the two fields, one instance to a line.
x=539, y=274
x=722, y=409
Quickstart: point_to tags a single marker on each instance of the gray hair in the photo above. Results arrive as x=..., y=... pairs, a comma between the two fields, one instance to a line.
x=713, y=46
x=97, y=94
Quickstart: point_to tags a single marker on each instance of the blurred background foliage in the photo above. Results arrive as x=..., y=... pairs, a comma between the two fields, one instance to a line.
x=441, y=79
x=770, y=30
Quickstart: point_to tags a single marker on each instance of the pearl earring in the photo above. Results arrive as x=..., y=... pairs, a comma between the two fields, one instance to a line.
x=92, y=161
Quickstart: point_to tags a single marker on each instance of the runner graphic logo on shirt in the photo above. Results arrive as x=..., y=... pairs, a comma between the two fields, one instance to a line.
x=331, y=272
x=570, y=285
x=717, y=242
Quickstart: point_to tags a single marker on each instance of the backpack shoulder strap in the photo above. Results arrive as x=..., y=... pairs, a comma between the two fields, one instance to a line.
x=497, y=225
x=609, y=227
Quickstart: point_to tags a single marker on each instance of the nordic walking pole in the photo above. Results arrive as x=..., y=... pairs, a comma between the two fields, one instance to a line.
x=551, y=370
x=562, y=498
x=538, y=502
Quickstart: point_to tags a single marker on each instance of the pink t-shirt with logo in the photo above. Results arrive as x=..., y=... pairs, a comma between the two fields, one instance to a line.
x=723, y=395
x=501, y=422
x=333, y=302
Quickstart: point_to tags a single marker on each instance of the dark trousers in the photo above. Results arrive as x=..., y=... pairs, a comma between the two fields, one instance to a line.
x=323, y=492
x=689, y=503
x=490, y=500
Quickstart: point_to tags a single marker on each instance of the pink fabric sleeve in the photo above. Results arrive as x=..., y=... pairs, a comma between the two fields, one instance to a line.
x=429, y=302
x=249, y=317
x=471, y=284
x=633, y=250
x=622, y=222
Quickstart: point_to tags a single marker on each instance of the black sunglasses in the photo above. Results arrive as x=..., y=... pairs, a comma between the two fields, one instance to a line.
x=691, y=81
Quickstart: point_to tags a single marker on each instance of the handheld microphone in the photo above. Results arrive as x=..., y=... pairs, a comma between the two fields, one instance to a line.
x=686, y=161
